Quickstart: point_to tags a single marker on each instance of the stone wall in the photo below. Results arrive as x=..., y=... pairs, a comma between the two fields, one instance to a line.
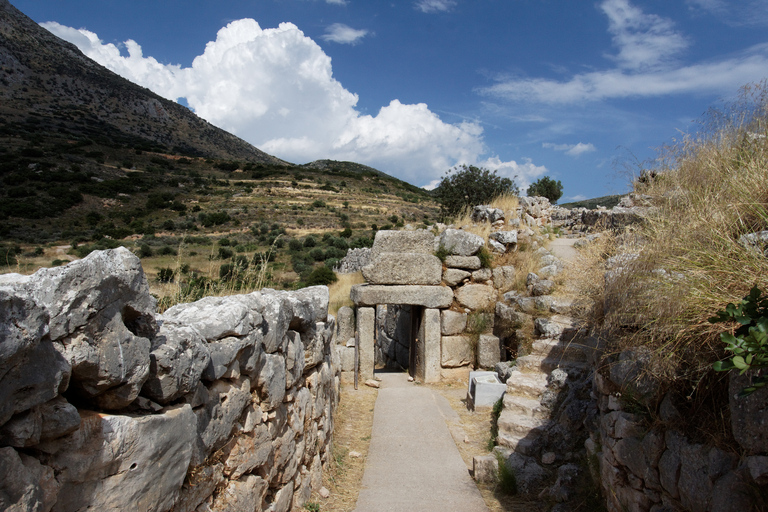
x=222, y=404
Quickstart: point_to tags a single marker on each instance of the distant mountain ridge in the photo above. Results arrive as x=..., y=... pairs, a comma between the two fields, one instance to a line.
x=50, y=79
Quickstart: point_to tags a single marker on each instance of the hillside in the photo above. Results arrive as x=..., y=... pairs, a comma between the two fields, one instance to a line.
x=91, y=160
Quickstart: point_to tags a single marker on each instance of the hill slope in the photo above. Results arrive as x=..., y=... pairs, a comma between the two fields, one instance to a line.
x=49, y=84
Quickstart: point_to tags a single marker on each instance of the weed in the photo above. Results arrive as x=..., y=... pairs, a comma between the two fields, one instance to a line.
x=312, y=506
x=495, y=413
x=507, y=478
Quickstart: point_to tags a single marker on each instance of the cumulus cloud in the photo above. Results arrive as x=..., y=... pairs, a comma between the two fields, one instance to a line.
x=428, y=6
x=275, y=88
x=646, y=66
x=343, y=34
x=571, y=149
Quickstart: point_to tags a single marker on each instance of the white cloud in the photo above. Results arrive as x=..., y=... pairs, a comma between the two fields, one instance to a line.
x=336, y=2
x=734, y=13
x=577, y=197
x=275, y=88
x=435, y=5
x=646, y=66
x=644, y=40
x=343, y=34
x=571, y=149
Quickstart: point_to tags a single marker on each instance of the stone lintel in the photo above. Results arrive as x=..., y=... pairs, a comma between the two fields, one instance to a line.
x=435, y=297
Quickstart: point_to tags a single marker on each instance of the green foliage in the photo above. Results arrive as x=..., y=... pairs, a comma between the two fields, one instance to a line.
x=165, y=274
x=507, y=478
x=310, y=241
x=749, y=343
x=321, y=275
x=486, y=259
x=466, y=186
x=442, y=253
x=312, y=506
x=546, y=187
x=495, y=413
x=145, y=251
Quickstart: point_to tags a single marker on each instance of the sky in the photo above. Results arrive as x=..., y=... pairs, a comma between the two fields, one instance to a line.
x=580, y=91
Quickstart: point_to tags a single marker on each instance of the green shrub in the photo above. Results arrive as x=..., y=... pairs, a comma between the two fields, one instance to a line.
x=310, y=241
x=321, y=275
x=486, y=259
x=165, y=274
x=225, y=253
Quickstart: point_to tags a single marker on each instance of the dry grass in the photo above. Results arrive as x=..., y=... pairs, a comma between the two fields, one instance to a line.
x=709, y=190
x=340, y=290
x=507, y=202
x=352, y=433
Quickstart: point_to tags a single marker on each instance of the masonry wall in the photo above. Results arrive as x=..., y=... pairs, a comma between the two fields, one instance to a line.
x=222, y=404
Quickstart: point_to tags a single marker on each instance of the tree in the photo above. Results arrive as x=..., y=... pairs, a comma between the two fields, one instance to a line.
x=546, y=187
x=468, y=186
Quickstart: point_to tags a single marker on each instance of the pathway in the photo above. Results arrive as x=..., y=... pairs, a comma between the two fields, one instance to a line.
x=413, y=463
x=563, y=248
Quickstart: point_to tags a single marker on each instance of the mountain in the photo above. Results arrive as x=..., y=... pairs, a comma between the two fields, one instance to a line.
x=47, y=84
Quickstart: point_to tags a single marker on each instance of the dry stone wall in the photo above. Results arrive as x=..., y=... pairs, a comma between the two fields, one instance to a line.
x=222, y=404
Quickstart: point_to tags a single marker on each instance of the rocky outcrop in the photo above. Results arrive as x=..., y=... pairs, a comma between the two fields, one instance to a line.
x=105, y=404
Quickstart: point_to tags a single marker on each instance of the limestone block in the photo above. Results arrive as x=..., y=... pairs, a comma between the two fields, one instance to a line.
x=418, y=241
x=241, y=495
x=221, y=412
x=461, y=243
x=366, y=319
x=315, y=299
x=486, y=213
x=23, y=429
x=452, y=322
x=542, y=287
x=497, y=247
x=529, y=474
x=694, y=483
x=630, y=373
x=294, y=359
x=250, y=451
x=508, y=315
x=404, y=269
x=59, y=418
x=758, y=468
x=345, y=324
x=25, y=484
x=488, y=351
x=732, y=494
x=476, y=296
x=453, y=276
x=504, y=277
x=124, y=463
x=554, y=327
x=431, y=343
x=485, y=468
x=271, y=380
x=482, y=275
x=427, y=296
x=283, y=499
x=278, y=315
x=456, y=351
x=223, y=356
x=669, y=463
x=463, y=262
x=549, y=271
x=220, y=317
x=506, y=238
x=177, y=361
x=629, y=453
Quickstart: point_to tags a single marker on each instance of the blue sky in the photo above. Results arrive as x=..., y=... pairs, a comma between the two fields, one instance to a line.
x=578, y=91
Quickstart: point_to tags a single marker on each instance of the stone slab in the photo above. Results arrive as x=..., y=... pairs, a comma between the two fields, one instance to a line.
x=419, y=241
x=439, y=297
x=366, y=321
x=404, y=268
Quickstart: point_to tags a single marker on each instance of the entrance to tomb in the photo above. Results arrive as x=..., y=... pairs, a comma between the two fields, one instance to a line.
x=397, y=338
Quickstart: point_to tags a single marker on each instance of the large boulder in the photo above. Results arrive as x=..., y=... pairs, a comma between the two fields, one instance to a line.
x=220, y=317
x=122, y=462
x=102, y=317
x=476, y=296
x=404, y=268
x=418, y=241
x=461, y=243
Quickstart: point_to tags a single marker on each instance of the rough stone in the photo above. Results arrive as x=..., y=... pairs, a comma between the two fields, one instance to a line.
x=345, y=325
x=504, y=277
x=219, y=317
x=177, y=361
x=404, y=269
x=456, y=351
x=528, y=474
x=452, y=322
x=485, y=468
x=22, y=430
x=542, y=287
x=476, y=296
x=250, y=451
x=749, y=415
x=241, y=495
x=758, y=468
x=59, y=418
x=487, y=213
x=461, y=243
x=488, y=351
x=497, y=247
x=482, y=275
x=506, y=238
x=453, y=276
x=25, y=484
x=463, y=262
x=428, y=296
x=431, y=341
x=419, y=241
x=630, y=373
x=366, y=322
x=125, y=463
x=271, y=380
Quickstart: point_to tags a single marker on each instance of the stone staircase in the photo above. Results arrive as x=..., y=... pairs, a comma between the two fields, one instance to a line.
x=525, y=416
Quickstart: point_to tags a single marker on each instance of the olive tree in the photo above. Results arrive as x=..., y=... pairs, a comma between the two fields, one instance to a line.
x=466, y=186
x=546, y=187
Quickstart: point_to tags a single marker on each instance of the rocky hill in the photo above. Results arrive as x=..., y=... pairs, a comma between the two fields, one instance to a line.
x=49, y=85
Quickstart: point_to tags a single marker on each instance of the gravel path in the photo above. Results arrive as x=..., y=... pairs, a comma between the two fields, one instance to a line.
x=413, y=462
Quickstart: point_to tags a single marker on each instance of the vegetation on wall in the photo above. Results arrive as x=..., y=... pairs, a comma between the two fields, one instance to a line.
x=467, y=186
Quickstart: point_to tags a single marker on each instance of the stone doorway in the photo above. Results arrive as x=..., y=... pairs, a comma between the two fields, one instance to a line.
x=397, y=345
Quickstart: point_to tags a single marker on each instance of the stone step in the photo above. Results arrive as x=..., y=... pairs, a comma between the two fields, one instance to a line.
x=525, y=406
x=520, y=425
x=556, y=348
x=533, y=364
x=522, y=445
x=527, y=384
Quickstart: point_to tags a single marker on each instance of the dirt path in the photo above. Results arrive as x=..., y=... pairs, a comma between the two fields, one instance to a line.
x=563, y=248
